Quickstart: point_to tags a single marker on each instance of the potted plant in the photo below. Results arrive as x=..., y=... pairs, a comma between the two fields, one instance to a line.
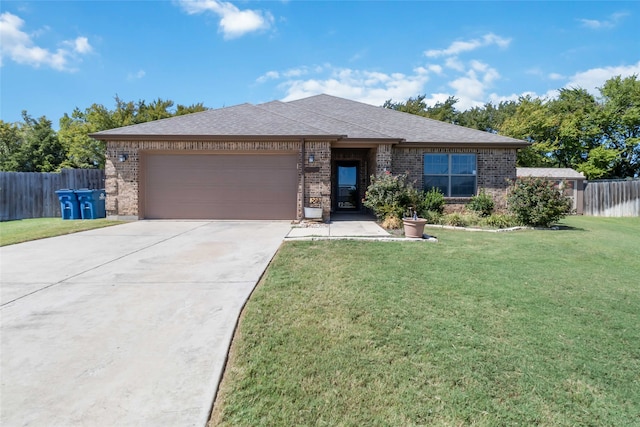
x=413, y=226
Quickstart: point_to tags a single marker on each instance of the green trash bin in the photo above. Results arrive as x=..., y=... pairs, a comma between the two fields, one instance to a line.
x=69, y=207
x=91, y=203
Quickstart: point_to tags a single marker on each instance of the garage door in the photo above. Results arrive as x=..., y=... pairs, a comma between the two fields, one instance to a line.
x=220, y=186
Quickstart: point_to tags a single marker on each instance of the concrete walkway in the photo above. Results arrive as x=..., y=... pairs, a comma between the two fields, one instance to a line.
x=128, y=325
x=347, y=228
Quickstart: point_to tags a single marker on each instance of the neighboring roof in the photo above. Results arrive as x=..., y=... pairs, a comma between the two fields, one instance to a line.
x=319, y=116
x=549, y=173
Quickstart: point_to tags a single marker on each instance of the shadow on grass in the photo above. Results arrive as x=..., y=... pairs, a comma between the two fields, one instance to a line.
x=565, y=228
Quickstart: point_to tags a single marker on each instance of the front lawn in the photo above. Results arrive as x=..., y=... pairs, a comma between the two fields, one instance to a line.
x=485, y=329
x=38, y=228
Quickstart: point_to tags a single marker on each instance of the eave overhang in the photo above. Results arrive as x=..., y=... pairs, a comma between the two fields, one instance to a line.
x=516, y=145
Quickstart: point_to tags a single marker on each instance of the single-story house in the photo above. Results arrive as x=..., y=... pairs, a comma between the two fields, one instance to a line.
x=570, y=181
x=271, y=160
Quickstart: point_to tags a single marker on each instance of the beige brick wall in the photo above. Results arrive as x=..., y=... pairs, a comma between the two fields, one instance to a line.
x=496, y=167
x=384, y=158
x=317, y=191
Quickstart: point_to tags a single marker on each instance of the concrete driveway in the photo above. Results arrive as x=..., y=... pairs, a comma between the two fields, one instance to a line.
x=127, y=325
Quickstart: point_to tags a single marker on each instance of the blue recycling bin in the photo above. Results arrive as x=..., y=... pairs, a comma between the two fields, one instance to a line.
x=91, y=203
x=69, y=207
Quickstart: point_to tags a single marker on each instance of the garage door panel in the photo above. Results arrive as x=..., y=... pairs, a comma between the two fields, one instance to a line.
x=214, y=186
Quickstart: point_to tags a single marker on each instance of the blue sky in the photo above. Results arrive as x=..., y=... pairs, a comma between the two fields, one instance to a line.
x=60, y=55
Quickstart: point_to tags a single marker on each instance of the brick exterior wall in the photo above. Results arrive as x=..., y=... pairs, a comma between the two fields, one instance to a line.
x=317, y=184
x=122, y=183
x=496, y=166
x=122, y=178
x=384, y=158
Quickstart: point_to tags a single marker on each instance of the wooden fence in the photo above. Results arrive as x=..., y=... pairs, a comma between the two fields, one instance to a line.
x=612, y=198
x=32, y=194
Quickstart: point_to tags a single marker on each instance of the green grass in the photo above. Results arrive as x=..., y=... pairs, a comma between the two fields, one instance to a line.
x=24, y=230
x=484, y=329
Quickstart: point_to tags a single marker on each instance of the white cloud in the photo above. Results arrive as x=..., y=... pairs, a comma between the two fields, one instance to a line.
x=137, y=75
x=459, y=47
x=611, y=22
x=292, y=72
x=82, y=45
x=269, y=75
x=555, y=76
x=19, y=46
x=454, y=63
x=470, y=89
x=595, y=77
x=233, y=21
x=372, y=87
x=434, y=68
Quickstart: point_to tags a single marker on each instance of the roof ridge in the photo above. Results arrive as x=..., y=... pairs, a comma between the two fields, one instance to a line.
x=339, y=119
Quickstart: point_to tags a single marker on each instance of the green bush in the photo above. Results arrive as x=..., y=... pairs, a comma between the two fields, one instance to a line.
x=499, y=221
x=535, y=202
x=430, y=201
x=390, y=195
x=432, y=217
x=482, y=204
x=456, y=219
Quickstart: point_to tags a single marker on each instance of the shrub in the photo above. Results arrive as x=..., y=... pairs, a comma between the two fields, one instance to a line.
x=390, y=195
x=482, y=204
x=430, y=201
x=455, y=219
x=432, y=217
x=391, y=222
x=535, y=201
x=499, y=221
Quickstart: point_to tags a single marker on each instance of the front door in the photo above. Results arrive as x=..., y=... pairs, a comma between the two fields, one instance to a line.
x=347, y=186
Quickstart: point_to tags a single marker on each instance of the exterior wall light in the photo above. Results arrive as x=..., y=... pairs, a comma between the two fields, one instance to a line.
x=123, y=157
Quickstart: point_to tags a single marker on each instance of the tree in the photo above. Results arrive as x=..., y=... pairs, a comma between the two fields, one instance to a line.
x=193, y=108
x=529, y=123
x=415, y=105
x=620, y=122
x=489, y=117
x=30, y=146
x=86, y=152
x=82, y=150
x=10, y=140
x=442, y=111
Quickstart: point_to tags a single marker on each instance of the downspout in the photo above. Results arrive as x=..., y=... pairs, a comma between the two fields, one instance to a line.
x=302, y=168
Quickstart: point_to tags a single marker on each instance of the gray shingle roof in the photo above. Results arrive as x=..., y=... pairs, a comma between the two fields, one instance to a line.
x=549, y=172
x=320, y=115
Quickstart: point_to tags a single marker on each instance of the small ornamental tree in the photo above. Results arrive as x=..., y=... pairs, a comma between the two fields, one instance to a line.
x=535, y=202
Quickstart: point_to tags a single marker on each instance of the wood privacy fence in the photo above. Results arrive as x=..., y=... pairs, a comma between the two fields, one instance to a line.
x=612, y=198
x=32, y=194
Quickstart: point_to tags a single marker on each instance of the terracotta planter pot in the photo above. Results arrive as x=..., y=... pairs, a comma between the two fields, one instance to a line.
x=414, y=228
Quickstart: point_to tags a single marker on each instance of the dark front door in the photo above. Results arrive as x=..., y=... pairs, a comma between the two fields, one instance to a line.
x=347, y=186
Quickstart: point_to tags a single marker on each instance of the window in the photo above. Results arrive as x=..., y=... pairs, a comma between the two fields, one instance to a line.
x=453, y=174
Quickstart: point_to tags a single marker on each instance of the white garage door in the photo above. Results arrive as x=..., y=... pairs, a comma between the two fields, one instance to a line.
x=219, y=186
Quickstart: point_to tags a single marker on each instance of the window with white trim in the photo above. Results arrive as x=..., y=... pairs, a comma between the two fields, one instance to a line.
x=453, y=174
